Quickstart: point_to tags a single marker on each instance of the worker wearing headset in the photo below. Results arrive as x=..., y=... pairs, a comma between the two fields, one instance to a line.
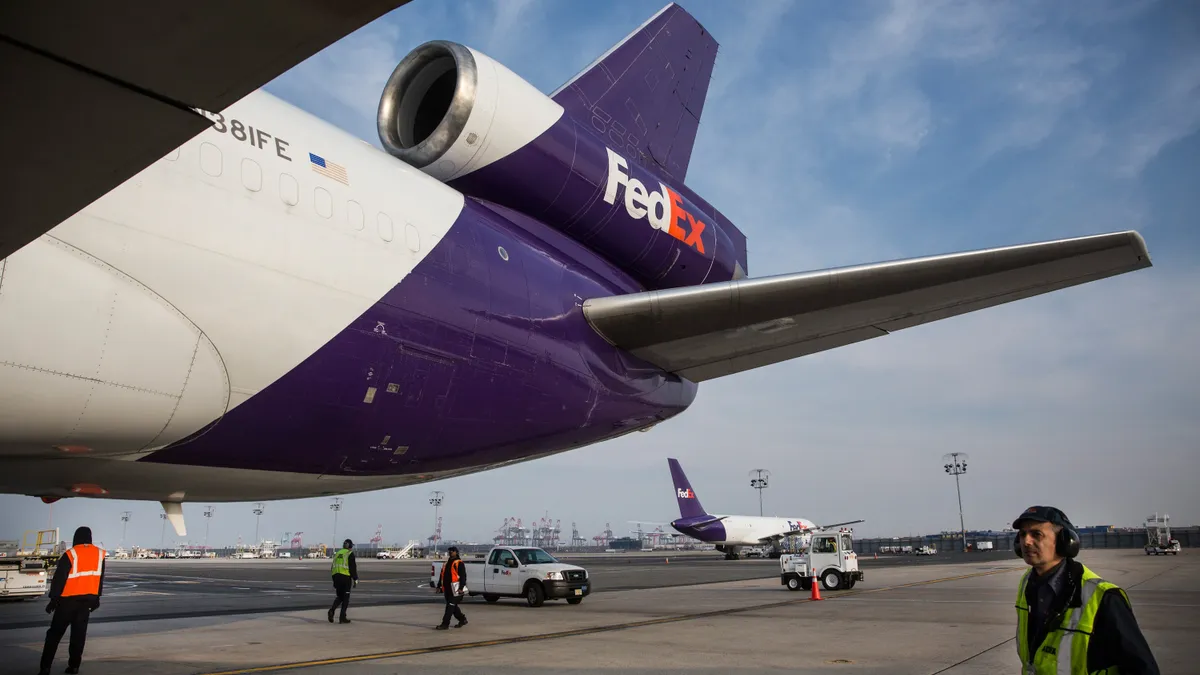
x=1069, y=620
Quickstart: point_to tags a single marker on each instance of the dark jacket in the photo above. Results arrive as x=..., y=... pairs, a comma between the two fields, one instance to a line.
x=1116, y=638
x=444, y=583
x=62, y=569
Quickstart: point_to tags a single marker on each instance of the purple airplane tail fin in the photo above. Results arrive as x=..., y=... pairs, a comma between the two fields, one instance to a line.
x=646, y=94
x=689, y=504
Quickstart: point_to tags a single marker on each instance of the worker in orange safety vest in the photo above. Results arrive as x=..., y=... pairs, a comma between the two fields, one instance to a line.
x=453, y=584
x=74, y=594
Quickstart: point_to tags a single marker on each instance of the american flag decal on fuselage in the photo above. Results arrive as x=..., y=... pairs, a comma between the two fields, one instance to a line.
x=328, y=169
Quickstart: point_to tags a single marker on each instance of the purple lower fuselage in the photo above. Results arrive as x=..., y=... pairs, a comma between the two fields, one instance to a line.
x=473, y=360
x=701, y=528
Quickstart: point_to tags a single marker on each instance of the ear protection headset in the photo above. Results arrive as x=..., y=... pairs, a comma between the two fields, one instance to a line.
x=1066, y=542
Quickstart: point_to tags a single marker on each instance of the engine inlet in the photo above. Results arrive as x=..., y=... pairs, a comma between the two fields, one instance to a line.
x=427, y=101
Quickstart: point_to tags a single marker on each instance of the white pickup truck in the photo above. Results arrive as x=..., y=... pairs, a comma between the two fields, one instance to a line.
x=522, y=571
x=831, y=554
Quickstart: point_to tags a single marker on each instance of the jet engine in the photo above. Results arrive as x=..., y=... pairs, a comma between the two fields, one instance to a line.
x=449, y=110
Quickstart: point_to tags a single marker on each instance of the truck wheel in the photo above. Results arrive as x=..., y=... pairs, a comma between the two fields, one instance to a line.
x=832, y=580
x=574, y=601
x=490, y=598
x=534, y=595
x=793, y=583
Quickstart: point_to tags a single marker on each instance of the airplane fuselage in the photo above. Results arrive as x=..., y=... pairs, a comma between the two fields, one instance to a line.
x=278, y=309
x=738, y=530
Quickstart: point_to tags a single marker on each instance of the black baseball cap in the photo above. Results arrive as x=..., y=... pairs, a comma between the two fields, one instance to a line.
x=1044, y=514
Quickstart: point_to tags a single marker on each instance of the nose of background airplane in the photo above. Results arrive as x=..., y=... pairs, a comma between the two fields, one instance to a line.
x=92, y=361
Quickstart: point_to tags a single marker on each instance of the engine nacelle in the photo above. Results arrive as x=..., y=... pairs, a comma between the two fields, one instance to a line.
x=465, y=119
x=449, y=110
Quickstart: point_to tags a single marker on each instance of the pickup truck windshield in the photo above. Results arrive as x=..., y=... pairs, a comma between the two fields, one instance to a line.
x=533, y=556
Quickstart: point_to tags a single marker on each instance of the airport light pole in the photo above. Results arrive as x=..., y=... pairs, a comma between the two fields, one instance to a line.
x=162, y=537
x=124, y=525
x=436, y=498
x=759, y=483
x=956, y=465
x=208, y=514
x=336, y=506
x=259, y=507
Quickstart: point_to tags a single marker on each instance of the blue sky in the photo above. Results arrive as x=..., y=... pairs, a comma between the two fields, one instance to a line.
x=842, y=133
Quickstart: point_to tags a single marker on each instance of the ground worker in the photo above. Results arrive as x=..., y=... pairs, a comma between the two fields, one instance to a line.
x=1069, y=620
x=74, y=593
x=453, y=585
x=345, y=573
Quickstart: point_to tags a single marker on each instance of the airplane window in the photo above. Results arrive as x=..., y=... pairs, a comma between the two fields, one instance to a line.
x=289, y=190
x=412, y=237
x=251, y=175
x=323, y=202
x=210, y=159
x=172, y=156
x=354, y=214
x=383, y=223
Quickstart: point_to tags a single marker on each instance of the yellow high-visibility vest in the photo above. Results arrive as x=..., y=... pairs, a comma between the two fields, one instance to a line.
x=341, y=561
x=1064, y=650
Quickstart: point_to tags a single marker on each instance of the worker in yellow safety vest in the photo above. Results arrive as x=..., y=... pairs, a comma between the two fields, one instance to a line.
x=345, y=572
x=74, y=593
x=1069, y=620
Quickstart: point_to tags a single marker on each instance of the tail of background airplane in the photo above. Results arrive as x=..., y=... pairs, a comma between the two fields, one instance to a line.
x=646, y=93
x=689, y=503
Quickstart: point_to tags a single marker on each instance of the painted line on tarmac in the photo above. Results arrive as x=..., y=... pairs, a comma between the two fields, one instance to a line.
x=587, y=631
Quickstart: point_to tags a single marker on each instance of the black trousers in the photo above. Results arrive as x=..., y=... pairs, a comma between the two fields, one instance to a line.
x=341, y=584
x=452, y=609
x=73, y=614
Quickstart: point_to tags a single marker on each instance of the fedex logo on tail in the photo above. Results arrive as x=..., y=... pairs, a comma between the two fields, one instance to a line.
x=685, y=494
x=664, y=208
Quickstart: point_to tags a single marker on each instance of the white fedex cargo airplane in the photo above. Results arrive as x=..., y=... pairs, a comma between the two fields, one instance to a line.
x=731, y=533
x=273, y=308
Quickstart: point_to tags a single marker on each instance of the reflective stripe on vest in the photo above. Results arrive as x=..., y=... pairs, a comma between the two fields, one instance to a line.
x=341, y=562
x=1063, y=650
x=87, y=564
x=454, y=570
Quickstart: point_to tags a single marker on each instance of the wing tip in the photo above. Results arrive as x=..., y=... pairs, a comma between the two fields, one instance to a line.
x=1138, y=243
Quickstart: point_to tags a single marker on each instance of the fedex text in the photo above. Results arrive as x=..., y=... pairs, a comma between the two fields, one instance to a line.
x=664, y=208
x=685, y=493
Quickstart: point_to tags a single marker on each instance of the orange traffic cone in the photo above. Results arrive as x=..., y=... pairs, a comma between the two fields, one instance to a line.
x=816, y=591
x=668, y=561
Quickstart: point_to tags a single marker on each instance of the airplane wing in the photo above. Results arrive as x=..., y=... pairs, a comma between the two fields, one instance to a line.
x=712, y=330
x=782, y=535
x=98, y=91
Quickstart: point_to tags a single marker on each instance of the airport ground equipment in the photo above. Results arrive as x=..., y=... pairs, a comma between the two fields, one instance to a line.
x=521, y=571
x=1158, y=536
x=22, y=577
x=830, y=555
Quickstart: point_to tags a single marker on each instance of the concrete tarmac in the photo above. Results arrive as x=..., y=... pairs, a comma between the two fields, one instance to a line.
x=140, y=590
x=942, y=615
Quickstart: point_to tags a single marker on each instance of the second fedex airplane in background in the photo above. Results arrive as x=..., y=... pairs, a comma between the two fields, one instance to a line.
x=730, y=533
